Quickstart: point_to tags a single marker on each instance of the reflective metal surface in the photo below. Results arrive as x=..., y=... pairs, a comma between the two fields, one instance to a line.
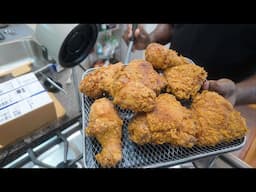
x=51, y=153
x=21, y=52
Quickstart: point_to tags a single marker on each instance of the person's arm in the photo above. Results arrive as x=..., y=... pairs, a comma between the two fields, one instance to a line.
x=241, y=93
x=246, y=91
x=162, y=34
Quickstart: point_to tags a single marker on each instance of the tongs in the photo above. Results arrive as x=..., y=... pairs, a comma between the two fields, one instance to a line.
x=131, y=42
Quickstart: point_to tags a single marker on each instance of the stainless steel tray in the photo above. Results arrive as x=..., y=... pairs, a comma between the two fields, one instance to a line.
x=146, y=156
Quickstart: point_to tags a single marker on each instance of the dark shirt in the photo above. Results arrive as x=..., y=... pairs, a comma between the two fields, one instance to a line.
x=224, y=50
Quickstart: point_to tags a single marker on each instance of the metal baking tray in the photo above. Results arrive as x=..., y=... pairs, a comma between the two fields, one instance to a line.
x=147, y=156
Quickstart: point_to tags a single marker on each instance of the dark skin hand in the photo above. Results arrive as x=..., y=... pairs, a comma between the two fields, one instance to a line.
x=224, y=87
x=238, y=94
x=241, y=93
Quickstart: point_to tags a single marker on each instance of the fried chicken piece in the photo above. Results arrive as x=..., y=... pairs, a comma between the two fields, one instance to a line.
x=173, y=59
x=139, y=130
x=162, y=57
x=140, y=71
x=218, y=120
x=135, y=96
x=157, y=55
x=135, y=88
x=169, y=122
x=109, y=75
x=100, y=80
x=90, y=85
x=120, y=81
x=143, y=71
x=106, y=126
x=184, y=81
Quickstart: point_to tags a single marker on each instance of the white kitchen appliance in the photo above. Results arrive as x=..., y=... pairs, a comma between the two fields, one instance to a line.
x=67, y=44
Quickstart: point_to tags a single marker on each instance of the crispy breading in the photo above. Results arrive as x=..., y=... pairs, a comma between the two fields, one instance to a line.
x=135, y=96
x=184, y=81
x=138, y=129
x=169, y=122
x=157, y=55
x=136, y=87
x=100, y=80
x=90, y=85
x=218, y=120
x=162, y=57
x=140, y=71
x=106, y=125
x=143, y=71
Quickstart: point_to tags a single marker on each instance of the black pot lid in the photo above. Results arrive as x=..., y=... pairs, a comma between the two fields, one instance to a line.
x=78, y=44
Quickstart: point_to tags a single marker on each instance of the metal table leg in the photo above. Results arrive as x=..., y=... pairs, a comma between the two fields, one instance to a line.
x=36, y=161
x=234, y=161
x=65, y=141
x=204, y=163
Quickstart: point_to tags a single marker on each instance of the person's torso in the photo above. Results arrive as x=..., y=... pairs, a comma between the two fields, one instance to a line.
x=224, y=50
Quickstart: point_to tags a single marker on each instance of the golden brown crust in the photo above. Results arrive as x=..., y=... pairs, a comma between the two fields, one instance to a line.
x=169, y=122
x=106, y=125
x=173, y=59
x=109, y=74
x=140, y=71
x=172, y=123
x=218, y=121
x=157, y=54
x=184, y=81
x=135, y=87
x=162, y=57
x=143, y=71
x=100, y=80
x=138, y=129
x=90, y=85
x=135, y=96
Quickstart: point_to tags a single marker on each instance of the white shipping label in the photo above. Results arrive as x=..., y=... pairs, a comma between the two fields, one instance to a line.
x=20, y=93
x=17, y=82
x=25, y=106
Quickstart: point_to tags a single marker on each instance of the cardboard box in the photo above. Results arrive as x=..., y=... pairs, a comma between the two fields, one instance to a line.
x=25, y=106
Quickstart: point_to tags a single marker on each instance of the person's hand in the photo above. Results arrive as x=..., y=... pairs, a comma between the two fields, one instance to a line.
x=224, y=87
x=142, y=38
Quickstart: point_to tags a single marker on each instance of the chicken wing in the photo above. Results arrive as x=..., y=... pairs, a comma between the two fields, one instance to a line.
x=162, y=57
x=106, y=126
x=169, y=122
x=218, y=120
x=100, y=80
x=184, y=81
